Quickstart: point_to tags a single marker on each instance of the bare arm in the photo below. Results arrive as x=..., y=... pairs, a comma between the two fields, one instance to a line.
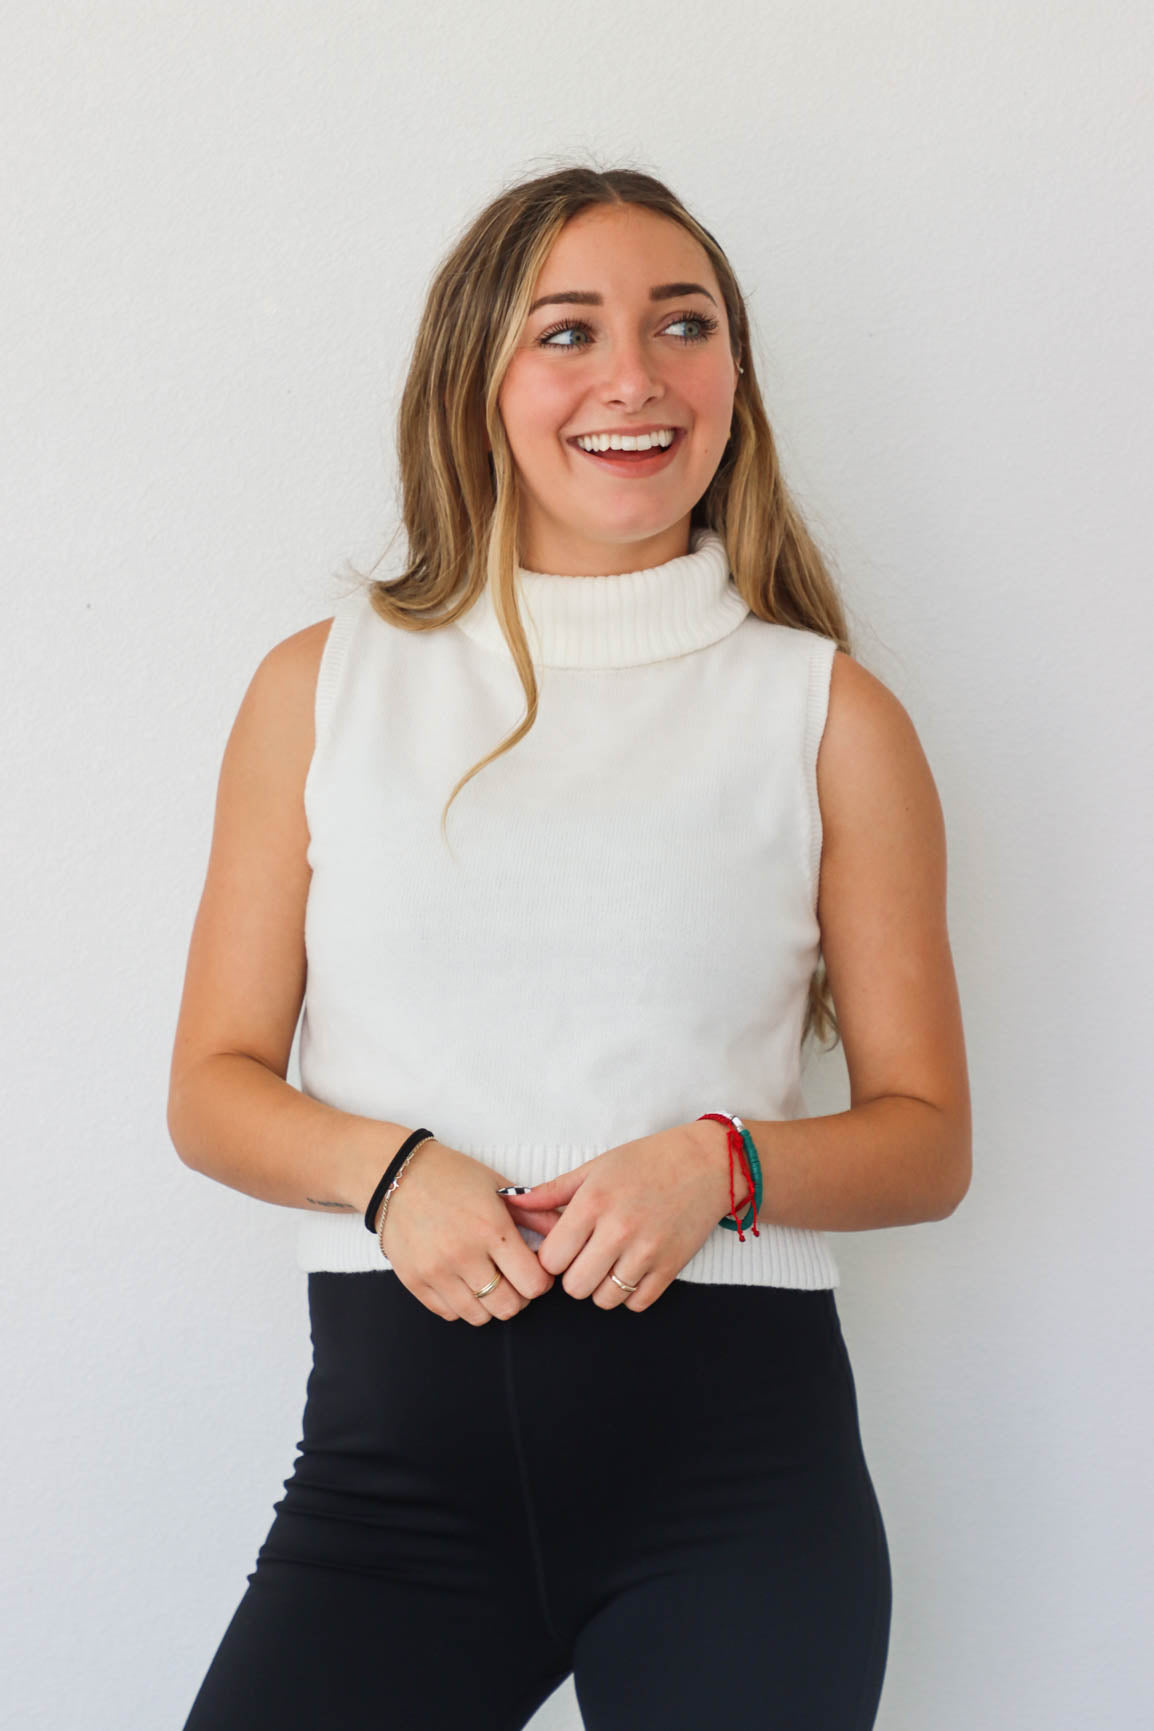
x=902, y=1153
x=231, y=1114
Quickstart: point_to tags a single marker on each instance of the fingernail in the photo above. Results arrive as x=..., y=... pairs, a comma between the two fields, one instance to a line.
x=515, y=1190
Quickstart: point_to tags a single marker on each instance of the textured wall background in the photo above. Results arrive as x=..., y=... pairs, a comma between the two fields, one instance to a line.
x=219, y=222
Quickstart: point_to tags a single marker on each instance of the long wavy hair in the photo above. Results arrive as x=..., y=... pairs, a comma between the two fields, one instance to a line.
x=460, y=500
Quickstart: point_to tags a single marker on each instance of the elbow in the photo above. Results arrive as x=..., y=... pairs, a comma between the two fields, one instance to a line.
x=182, y=1119
x=176, y=1128
x=956, y=1186
x=174, y=1135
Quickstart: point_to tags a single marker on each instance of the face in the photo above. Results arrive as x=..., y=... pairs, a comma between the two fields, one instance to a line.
x=616, y=360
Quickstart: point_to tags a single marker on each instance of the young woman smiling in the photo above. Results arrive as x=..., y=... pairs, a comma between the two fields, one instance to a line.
x=550, y=1068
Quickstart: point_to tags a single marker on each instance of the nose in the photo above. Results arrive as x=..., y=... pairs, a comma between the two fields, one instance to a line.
x=631, y=375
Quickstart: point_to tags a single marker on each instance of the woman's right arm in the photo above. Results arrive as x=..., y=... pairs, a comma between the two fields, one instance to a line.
x=231, y=1113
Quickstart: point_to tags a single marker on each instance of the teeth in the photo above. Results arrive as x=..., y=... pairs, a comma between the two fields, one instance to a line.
x=623, y=442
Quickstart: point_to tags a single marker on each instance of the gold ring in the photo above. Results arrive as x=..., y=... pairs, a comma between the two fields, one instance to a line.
x=490, y=1286
x=624, y=1284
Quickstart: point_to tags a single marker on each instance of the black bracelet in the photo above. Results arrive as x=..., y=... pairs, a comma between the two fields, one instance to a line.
x=393, y=1168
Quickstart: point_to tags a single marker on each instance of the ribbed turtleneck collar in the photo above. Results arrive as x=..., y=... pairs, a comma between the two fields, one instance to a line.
x=624, y=620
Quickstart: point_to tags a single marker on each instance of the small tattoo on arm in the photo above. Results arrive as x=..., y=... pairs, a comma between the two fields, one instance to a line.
x=318, y=1203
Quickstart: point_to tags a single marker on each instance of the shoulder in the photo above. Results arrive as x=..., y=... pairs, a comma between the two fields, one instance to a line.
x=871, y=769
x=287, y=673
x=858, y=698
x=295, y=657
x=275, y=721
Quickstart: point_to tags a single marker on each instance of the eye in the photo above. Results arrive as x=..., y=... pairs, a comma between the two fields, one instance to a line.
x=707, y=323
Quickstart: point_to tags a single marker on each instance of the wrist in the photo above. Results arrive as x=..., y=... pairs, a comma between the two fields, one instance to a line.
x=377, y=1209
x=388, y=1202
x=713, y=1140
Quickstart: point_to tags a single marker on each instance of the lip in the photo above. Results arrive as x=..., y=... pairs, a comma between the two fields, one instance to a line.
x=629, y=465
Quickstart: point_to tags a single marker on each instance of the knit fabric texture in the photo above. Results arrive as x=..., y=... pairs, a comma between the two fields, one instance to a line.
x=619, y=932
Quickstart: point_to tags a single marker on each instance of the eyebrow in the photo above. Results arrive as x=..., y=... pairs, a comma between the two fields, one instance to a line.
x=665, y=291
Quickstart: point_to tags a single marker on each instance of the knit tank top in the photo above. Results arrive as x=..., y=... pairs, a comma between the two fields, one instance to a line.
x=620, y=931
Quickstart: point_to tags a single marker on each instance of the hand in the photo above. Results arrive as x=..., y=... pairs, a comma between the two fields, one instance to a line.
x=641, y=1209
x=447, y=1232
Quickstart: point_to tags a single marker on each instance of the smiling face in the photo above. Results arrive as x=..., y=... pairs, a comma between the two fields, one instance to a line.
x=628, y=363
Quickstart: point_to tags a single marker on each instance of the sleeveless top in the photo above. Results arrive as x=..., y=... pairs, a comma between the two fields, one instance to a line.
x=620, y=931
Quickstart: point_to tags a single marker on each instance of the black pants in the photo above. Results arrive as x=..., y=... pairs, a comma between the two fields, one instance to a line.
x=670, y=1504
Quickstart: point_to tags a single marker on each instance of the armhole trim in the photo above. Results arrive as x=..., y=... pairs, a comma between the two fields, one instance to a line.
x=816, y=714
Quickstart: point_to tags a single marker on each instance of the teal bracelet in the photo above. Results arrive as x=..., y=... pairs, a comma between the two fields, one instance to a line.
x=754, y=1166
x=750, y=1219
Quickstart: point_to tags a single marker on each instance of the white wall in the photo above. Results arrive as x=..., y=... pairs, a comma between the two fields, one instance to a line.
x=218, y=223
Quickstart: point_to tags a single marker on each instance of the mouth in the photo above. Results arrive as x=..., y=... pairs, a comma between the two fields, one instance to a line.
x=636, y=464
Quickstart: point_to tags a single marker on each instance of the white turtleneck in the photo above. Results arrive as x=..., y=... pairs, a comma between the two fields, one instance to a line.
x=621, y=621
x=623, y=934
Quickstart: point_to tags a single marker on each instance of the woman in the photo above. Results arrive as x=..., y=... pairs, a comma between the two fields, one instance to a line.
x=690, y=831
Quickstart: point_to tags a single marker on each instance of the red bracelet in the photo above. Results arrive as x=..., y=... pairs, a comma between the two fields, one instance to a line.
x=736, y=1145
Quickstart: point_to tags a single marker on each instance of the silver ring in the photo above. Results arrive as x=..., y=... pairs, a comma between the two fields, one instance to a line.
x=490, y=1286
x=624, y=1284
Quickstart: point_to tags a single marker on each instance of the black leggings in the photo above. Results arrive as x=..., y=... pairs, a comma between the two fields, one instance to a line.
x=672, y=1505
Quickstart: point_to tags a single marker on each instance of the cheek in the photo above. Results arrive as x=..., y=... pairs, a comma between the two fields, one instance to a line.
x=719, y=395
x=535, y=406
x=715, y=413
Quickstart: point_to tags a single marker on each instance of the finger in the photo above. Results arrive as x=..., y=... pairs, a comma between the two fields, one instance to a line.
x=521, y=1279
x=553, y=1191
x=452, y=1297
x=502, y=1304
x=609, y=1295
x=520, y=1267
x=538, y=1219
x=432, y=1300
x=589, y=1269
x=566, y=1241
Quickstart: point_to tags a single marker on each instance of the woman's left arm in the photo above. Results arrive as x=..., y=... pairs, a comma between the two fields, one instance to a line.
x=902, y=1152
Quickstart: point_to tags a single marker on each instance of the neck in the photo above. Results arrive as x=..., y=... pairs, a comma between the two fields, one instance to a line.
x=555, y=549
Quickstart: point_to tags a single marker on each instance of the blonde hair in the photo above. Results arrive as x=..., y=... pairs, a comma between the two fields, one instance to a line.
x=460, y=504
